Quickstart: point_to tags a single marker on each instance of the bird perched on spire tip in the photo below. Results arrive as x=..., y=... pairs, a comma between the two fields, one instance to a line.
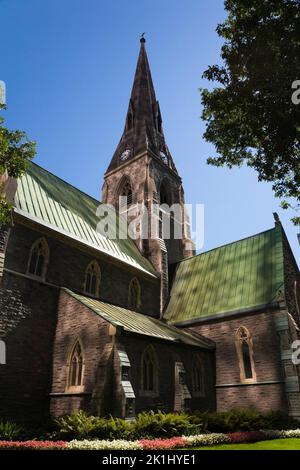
x=142, y=39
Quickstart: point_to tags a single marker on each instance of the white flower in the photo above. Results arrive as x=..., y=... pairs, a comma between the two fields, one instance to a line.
x=104, y=445
x=207, y=439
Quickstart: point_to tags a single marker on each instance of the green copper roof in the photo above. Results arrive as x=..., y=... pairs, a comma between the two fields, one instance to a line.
x=48, y=200
x=140, y=324
x=242, y=275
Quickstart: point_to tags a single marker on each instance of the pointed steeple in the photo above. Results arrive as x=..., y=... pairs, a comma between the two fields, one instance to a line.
x=143, y=126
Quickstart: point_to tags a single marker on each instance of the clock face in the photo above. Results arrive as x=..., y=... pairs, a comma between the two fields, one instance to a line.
x=163, y=156
x=125, y=155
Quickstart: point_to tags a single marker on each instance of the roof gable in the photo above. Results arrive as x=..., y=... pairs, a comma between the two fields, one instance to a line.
x=235, y=277
x=48, y=200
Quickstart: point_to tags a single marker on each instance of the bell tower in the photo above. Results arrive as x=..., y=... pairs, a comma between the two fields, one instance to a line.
x=142, y=171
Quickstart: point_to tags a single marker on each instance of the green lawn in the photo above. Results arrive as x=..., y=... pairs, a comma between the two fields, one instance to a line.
x=276, y=444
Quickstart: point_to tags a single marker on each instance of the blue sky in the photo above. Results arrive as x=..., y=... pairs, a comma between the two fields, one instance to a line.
x=68, y=67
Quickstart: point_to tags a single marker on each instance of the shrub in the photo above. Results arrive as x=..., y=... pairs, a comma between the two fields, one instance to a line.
x=242, y=420
x=9, y=430
x=152, y=425
x=113, y=428
x=78, y=425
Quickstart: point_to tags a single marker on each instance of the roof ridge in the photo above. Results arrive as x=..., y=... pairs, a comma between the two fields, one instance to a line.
x=66, y=182
x=228, y=244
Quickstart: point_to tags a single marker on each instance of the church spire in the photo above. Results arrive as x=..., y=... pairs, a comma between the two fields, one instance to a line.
x=143, y=126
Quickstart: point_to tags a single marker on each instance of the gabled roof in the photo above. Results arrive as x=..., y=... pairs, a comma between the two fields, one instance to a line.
x=243, y=275
x=140, y=324
x=50, y=201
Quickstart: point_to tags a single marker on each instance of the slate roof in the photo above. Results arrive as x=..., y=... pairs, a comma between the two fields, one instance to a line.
x=138, y=323
x=48, y=200
x=144, y=114
x=239, y=276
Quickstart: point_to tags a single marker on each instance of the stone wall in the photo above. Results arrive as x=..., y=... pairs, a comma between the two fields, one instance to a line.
x=168, y=354
x=102, y=393
x=67, y=266
x=27, y=326
x=268, y=390
x=75, y=321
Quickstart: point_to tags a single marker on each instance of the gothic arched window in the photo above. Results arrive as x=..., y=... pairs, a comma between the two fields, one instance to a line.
x=198, y=375
x=125, y=194
x=244, y=346
x=76, y=367
x=149, y=371
x=165, y=202
x=38, y=258
x=165, y=193
x=134, y=294
x=92, y=279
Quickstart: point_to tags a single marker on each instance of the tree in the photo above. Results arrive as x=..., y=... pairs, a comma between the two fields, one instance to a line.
x=15, y=152
x=250, y=116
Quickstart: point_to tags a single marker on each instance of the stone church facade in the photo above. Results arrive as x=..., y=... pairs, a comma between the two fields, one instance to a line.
x=121, y=326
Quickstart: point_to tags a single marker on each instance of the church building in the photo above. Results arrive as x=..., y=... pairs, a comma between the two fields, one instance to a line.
x=118, y=326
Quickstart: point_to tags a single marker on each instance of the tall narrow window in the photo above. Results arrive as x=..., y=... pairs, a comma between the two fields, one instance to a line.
x=134, y=294
x=165, y=202
x=297, y=296
x=38, y=258
x=198, y=376
x=149, y=371
x=125, y=194
x=76, y=365
x=92, y=279
x=244, y=346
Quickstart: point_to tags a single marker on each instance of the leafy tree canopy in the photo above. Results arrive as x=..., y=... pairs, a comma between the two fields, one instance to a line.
x=250, y=116
x=15, y=153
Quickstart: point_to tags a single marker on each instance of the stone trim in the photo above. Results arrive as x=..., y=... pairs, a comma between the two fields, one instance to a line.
x=75, y=388
x=68, y=394
x=155, y=392
x=222, y=316
x=239, y=340
x=250, y=384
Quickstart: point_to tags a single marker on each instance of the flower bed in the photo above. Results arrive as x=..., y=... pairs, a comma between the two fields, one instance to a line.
x=33, y=445
x=153, y=444
x=104, y=445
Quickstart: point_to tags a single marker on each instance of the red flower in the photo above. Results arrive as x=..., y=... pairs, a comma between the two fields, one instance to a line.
x=247, y=436
x=172, y=443
x=33, y=445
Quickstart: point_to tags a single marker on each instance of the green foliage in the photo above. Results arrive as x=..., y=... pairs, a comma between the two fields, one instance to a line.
x=243, y=420
x=150, y=425
x=5, y=211
x=10, y=431
x=113, y=428
x=250, y=115
x=16, y=150
x=147, y=425
x=78, y=425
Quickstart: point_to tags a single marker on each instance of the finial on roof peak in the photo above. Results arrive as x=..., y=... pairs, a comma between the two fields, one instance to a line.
x=142, y=39
x=276, y=218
